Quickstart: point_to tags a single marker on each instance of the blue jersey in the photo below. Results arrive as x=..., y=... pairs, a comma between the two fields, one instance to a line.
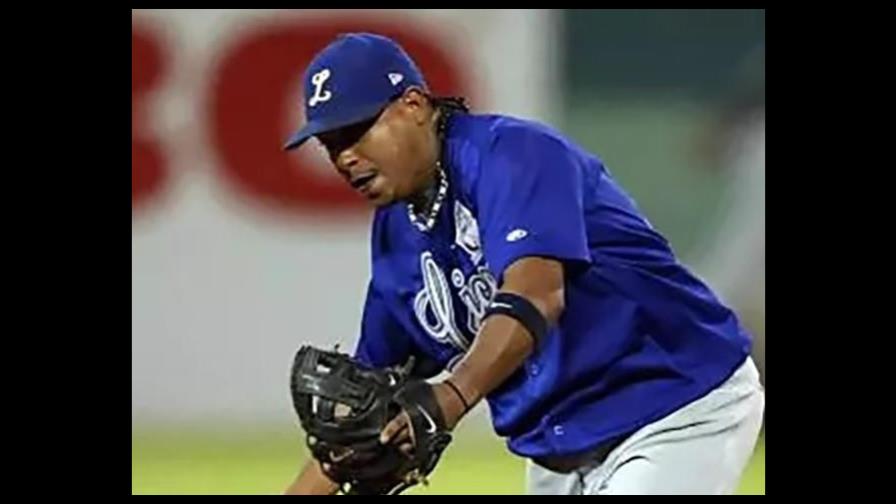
x=640, y=336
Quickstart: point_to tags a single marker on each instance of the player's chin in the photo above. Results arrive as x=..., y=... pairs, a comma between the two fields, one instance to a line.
x=381, y=199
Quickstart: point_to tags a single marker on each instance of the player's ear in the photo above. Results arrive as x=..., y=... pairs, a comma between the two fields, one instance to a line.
x=416, y=102
x=413, y=95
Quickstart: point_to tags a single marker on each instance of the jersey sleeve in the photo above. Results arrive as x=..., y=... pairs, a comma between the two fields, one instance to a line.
x=383, y=341
x=530, y=201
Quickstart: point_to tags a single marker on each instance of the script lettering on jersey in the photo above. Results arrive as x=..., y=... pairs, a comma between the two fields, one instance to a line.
x=476, y=295
x=434, y=304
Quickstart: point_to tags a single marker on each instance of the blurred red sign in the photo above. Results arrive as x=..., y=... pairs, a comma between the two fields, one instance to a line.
x=250, y=109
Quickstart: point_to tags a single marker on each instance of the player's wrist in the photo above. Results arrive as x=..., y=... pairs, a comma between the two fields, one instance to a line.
x=454, y=406
x=460, y=395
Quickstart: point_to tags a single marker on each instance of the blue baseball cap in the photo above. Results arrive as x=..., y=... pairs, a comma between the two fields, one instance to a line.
x=352, y=80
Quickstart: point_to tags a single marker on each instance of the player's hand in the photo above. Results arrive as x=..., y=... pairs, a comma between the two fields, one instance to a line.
x=399, y=431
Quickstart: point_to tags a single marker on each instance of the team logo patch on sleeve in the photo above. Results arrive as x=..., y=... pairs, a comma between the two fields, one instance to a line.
x=467, y=232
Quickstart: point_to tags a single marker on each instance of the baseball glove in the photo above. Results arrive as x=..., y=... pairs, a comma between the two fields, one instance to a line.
x=343, y=407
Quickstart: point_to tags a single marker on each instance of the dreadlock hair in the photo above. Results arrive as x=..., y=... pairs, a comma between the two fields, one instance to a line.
x=448, y=106
x=451, y=103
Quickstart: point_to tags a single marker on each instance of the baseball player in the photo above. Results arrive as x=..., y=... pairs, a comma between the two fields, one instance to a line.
x=506, y=255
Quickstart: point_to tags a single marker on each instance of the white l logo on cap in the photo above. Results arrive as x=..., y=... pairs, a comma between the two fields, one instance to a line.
x=395, y=78
x=320, y=94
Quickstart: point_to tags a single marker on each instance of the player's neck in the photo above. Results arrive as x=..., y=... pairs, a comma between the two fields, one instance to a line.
x=423, y=200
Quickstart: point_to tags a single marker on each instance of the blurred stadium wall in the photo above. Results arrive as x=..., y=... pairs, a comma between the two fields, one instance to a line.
x=241, y=253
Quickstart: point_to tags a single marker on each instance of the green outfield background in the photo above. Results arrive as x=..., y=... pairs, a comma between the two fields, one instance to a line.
x=256, y=462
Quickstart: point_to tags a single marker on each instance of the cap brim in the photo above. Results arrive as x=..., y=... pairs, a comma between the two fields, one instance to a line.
x=331, y=123
x=298, y=138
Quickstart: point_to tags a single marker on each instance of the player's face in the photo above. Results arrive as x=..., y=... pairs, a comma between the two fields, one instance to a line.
x=390, y=157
